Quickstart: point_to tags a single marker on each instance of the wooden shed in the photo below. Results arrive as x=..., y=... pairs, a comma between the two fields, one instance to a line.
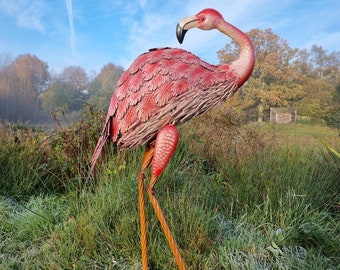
x=283, y=115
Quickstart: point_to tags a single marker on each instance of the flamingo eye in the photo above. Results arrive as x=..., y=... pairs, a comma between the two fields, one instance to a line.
x=202, y=19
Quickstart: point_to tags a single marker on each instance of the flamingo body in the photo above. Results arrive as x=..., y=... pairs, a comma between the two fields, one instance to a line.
x=164, y=88
x=168, y=86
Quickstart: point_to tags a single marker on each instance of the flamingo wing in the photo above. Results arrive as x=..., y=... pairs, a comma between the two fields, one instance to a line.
x=161, y=87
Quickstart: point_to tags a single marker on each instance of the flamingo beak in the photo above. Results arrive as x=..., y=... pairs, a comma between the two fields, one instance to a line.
x=180, y=33
x=184, y=25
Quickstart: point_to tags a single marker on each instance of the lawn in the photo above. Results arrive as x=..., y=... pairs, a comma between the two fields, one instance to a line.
x=297, y=133
x=250, y=197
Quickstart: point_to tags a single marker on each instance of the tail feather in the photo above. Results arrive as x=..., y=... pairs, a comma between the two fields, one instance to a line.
x=96, y=153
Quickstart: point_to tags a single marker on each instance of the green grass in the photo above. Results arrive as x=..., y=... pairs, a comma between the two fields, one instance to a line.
x=264, y=206
x=296, y=129
x=297, y=133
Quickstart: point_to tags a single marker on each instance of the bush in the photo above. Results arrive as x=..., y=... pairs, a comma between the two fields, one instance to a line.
x=34, y=161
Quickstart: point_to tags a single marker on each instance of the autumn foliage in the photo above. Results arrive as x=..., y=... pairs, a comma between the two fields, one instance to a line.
x=283, y=76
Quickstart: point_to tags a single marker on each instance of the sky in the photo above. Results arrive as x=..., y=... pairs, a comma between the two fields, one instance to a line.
x=92, y=34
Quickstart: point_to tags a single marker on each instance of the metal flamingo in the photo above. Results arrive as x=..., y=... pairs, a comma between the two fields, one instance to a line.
x=161, y=89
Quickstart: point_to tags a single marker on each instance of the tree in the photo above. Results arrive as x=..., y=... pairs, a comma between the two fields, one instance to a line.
x=59, y=94
x=68, y=90
x=319, y=72
x=5, y=60
x=302, y=65
x=76, y=77
x=274, y=80
x=21, y=83
x=333, y=117
x=103, y=86
x=325, y=66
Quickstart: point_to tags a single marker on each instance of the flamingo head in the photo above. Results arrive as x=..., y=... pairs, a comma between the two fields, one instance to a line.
x=207, y=19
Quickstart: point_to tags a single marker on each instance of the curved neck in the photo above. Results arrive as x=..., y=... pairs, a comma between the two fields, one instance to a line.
x=244, y=64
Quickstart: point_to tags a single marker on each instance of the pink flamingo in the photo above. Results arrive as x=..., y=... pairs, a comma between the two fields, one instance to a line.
x=164, y=88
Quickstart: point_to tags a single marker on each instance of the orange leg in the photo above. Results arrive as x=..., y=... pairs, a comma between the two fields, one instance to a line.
x=165, y=146
x=142, y=216
x=166, y=229
x=159, y=155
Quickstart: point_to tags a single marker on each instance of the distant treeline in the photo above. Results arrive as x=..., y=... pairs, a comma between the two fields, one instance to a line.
x=282, y=77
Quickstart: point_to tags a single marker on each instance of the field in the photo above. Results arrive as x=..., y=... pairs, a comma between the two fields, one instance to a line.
x=259, y=196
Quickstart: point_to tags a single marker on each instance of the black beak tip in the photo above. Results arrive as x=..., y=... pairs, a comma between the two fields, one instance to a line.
x=180, y=33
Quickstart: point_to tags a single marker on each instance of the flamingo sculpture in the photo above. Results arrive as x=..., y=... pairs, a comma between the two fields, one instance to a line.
x=164, y=88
